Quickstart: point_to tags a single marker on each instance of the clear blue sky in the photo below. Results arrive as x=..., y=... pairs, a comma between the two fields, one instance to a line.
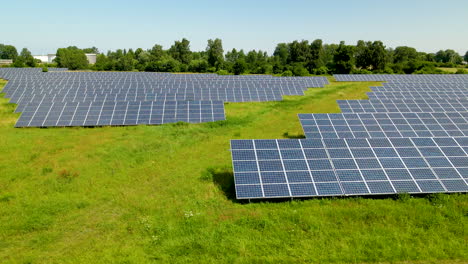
x=45, y=25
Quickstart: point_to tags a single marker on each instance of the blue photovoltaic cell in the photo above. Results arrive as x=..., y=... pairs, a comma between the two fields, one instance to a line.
x=249, y=191
x=306, y=189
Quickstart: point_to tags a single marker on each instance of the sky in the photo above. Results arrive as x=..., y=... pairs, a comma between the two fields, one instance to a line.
x=45, y=25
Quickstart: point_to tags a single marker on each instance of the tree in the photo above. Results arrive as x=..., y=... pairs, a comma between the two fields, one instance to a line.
x=378, y=55
x=28, y=58
x=344, y=58
x=329, y=51
x=362, y=54
x=93, y=50
x=282, y=52
x=8, y=52
x=103, y=63
x=126, y=62
x=142, y=57
x=448, y=56
x=466, y=56
x=404, y=54
x=71, y=58
x=25, y=59
x=234, y=55
x=215, y=52
x=316, y=55
x=181, y=51
x=199, y=65
x=299, y=51
x=239, y=67
x=370, y=55
x=156, y=52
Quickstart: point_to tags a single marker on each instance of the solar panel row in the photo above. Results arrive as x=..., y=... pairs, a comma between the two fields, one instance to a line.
x=385, y=125
x=418, y=95
x=111, y=113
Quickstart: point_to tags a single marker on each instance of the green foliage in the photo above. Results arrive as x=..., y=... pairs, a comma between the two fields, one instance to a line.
x=181, y=51
x=287, y=73
x=466, y=57
x=239, y=66
x=461, y=71
x=344, y=58
x=222, y=72
x=370, y=55
x=448, y=56
x=25, y=59
x=215, y=52
x=302, y=58
x=8, y=52
x=92, y=50
x=71, y=58
x=404, y=54
x=45, y=69
x=198, y=66
x=167, y=64
x=322, y=70
x=299, y=70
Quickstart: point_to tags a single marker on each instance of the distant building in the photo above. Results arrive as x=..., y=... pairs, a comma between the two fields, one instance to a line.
x=45, y=58
x=91, y=57
x=49, y=58
x=5, y=62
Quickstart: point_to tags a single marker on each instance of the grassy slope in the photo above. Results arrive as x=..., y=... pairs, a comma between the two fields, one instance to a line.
x=164, y=194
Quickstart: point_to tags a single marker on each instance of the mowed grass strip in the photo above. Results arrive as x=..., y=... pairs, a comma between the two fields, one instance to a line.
x=165, y=194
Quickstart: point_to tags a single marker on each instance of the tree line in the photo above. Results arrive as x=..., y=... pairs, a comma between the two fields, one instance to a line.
x=297, y=58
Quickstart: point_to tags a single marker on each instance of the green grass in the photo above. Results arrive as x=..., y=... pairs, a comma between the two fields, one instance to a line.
x=164, y=194
x=450, y=70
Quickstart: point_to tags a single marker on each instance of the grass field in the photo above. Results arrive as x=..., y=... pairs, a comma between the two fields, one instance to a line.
x=451, y=70
x=164, y=194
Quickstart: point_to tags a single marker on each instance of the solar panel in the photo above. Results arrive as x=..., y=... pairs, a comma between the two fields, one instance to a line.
x=122, y=113
x=344, y=167
x=418, y=95
x=403, y=105
x=385, y=125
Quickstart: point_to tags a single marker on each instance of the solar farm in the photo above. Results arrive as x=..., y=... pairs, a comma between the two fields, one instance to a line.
x=156, y=167
x=385, y=145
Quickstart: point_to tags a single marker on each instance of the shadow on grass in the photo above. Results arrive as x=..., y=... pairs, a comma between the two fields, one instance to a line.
x=223, y=179
x=287, y=135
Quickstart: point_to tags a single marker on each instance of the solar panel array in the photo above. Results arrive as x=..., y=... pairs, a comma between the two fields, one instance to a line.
x=410, y=137
x=61, y=98
x=333, y=167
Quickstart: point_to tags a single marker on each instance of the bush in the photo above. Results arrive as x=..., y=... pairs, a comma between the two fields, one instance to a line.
x=361, y=71
x=321, y=70
x=461, y=71
x=299, y=70
x=429, y=70
x=287, y=73
x=222, y=72
x=239, y=67
x=45, y=69
x=198, y=66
